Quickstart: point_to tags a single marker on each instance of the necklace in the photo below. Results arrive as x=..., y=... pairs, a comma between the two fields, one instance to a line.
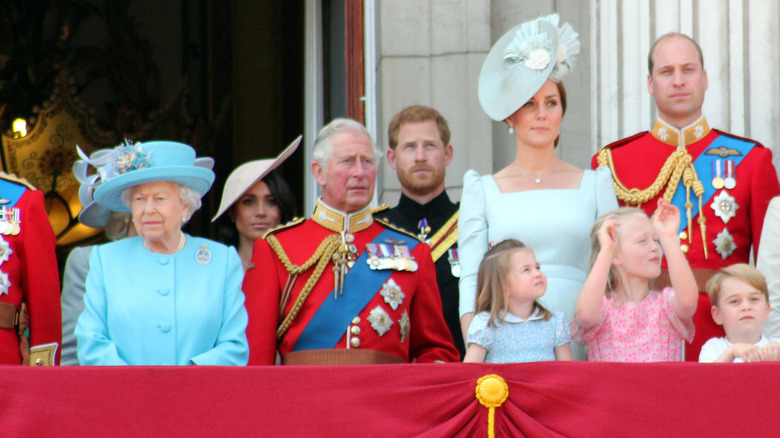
x=538, y=179
x=182, y=242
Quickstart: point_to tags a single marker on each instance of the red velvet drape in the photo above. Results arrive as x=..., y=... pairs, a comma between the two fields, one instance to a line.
x=436, y=400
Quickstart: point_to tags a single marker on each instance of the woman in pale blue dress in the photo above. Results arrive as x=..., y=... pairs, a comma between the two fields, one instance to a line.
x=538, y=199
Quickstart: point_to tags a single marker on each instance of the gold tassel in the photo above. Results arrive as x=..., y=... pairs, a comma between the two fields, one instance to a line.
x=492, y=391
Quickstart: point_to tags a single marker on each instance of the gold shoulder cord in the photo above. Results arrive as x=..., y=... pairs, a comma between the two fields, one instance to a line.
x=678, y=166
x=321, y=257
x=445, y=243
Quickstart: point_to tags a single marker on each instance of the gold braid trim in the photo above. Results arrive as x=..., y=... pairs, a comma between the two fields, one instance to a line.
x=321, y=257
x=669, y=176
x=679, y=166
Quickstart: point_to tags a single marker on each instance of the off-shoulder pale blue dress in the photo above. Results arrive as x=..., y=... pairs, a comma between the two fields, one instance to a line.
x=555, y=223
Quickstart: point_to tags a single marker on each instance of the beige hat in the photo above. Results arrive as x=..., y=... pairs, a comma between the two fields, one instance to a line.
x=248, y=174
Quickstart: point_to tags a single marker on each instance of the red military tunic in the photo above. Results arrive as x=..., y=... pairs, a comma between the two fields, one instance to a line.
x=409, y=326
x=733, y=216
x=29, y=271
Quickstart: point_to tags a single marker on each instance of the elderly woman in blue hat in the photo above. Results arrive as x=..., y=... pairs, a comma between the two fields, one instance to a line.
x=539, y=199
x=162, y=298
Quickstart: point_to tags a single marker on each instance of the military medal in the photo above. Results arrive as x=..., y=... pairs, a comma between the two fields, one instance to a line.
x=405, y=326
x=424, y=229
x=404, y=256
x=725, y=206
x=373, y=256
x=731, y=175
x=10, y=218
x=452, y=257
x=5, y=284
x=724, y=244
x=5, y=250
x=393, y=294
x=203, y=256
x=379, y=257
x=717, y=172
x=380, y=320
x=396, y=257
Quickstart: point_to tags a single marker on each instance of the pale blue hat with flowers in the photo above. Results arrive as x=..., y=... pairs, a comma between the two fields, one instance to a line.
x=93, y=214
x=522, y=60
x=137, y=163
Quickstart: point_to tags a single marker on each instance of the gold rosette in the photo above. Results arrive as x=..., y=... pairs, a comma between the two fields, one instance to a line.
x=491, y=392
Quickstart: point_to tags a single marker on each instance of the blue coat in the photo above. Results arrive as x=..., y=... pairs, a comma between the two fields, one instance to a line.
x=143, y=308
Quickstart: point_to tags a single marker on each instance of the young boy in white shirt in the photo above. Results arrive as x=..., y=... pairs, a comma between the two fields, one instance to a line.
x=740, y=303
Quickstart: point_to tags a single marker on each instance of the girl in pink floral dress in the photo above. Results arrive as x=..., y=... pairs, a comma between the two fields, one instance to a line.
x=619, y=316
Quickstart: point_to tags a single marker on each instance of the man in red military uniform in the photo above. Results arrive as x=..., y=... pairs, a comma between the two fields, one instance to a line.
x=721, y=183
x=341, y=287
x=28, y=274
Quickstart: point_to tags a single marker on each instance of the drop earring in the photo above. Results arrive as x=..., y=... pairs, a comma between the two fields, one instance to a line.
x=511, y=130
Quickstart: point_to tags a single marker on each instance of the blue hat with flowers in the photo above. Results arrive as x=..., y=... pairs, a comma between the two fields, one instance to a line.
x=522, y=60
x=138, y=163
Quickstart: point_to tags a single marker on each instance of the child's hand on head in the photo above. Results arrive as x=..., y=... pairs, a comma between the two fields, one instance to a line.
x=607, y=235
x=666, y=220
x=747, y=352
x=771, y=352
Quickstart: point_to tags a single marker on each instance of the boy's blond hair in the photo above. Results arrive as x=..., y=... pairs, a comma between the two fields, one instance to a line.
x=740, y=271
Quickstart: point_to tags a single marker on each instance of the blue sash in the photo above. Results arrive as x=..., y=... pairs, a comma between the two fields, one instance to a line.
x=703, y=166
x=361, y=284
x=11, y=191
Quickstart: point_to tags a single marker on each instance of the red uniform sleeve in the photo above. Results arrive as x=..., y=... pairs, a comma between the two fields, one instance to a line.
x=763, y=187
x=262, y=291
x=430, y=339
x=40, y=276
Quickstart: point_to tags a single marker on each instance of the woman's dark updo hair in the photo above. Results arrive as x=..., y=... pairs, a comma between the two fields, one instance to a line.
x=283, y=195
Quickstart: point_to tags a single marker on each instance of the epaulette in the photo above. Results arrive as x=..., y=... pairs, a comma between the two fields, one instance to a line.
x=387, y=224
x=15, y=179
x=293, y=223
x=745, y=139
x=594, y=162
x=623, y=141
x=379, y=208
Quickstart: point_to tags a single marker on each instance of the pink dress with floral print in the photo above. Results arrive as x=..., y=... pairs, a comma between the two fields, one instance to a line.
x=647, y=331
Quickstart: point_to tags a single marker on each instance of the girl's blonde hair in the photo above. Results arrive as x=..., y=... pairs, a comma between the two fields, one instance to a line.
x=620, y=215
x=491, y=280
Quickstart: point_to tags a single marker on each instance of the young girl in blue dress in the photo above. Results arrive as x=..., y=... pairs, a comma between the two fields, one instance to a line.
x=510, y=324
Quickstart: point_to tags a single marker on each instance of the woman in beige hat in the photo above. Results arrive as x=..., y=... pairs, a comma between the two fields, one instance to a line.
x=539, y=199
x=257, y=200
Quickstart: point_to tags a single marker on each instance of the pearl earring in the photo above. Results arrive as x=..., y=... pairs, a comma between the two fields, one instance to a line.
x=511, y=130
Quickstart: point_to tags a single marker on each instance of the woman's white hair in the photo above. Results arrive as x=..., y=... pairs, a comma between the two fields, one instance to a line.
x=186, y=195
x=323, y=147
